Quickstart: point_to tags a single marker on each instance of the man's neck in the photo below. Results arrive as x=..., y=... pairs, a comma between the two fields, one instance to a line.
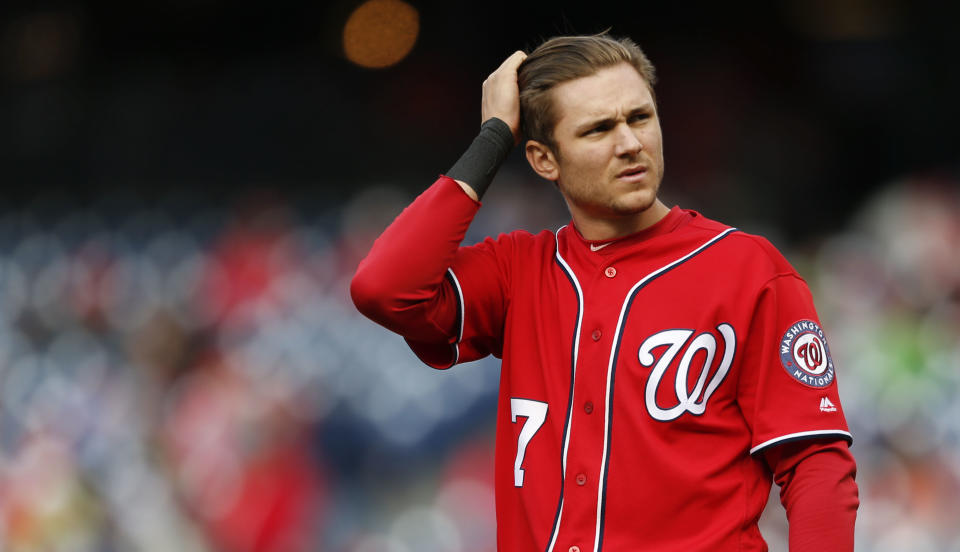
x=610, y=228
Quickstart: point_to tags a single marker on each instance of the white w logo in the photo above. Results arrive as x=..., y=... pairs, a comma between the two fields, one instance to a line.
x=686, y=401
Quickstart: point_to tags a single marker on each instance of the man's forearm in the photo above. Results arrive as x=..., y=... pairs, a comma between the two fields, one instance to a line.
x=475, y=169
x=818, y=491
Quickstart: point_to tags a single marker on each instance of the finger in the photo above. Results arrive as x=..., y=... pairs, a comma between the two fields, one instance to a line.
x=514, y=61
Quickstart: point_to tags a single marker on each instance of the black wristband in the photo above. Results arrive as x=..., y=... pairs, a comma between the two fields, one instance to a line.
x=478, y=165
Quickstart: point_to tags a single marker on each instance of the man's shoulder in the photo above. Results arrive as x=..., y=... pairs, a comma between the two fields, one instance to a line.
x=519, y=243
x=695, y=219
x=743, y=246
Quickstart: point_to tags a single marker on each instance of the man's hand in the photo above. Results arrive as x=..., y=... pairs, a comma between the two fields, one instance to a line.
x=501, y=99
x=501, y=94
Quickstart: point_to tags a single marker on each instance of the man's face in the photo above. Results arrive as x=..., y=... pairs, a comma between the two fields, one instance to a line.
x=608, y=145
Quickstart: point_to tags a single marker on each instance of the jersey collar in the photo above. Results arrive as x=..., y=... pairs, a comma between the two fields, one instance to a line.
x=673, y=219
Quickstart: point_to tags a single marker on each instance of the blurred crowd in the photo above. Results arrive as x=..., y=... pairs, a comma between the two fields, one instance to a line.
x=197, y=379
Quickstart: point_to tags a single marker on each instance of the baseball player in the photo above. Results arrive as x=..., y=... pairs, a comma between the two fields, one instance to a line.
x=660, y=369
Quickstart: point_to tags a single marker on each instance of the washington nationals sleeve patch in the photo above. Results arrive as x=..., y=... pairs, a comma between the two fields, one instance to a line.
x=805, y=355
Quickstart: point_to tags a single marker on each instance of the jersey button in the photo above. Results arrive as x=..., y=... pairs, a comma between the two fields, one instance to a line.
x=588, y=407
x=573, y=549
x=581, y=479
x=610, y=272
x=596, y=335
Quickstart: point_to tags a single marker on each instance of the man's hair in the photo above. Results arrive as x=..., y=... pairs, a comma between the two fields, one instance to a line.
x=565, y=58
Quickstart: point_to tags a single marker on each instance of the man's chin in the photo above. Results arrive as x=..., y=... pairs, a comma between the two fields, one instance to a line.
x=634, y=204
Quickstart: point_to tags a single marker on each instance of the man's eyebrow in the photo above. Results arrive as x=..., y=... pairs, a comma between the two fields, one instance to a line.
x=593, y=123
x=645, y=107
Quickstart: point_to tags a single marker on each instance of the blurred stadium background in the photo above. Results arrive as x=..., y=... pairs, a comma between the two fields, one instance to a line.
x=187, y=188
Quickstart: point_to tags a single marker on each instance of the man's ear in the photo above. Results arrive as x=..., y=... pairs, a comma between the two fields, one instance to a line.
x=542, y=160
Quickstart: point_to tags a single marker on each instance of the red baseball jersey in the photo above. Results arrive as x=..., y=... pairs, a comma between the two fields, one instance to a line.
x=640, y=378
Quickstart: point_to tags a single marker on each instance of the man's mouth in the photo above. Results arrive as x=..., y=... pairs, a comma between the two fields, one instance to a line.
x=632, y=172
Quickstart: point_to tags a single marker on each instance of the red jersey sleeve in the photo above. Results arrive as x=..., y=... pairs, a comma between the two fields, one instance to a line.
x=787, y=387
x=447, y=301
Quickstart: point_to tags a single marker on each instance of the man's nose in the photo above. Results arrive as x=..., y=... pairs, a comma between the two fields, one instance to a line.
x=628, y=143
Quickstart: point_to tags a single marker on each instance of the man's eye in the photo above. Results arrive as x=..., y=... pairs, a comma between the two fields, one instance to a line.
x=639, y=117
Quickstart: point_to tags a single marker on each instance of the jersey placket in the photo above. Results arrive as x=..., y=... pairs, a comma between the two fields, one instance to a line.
x=582, y=493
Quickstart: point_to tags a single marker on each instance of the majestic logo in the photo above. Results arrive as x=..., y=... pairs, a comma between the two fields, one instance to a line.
x=687, y=401
x=826, y=405
x=805, y=355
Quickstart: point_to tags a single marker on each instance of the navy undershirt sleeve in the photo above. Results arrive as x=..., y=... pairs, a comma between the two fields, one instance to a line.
x=479, y=164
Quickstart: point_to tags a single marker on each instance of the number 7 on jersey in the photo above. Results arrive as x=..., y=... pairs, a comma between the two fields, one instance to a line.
x=536, y=413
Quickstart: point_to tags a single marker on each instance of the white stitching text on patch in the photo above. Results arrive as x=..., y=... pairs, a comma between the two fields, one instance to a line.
x=805, y=355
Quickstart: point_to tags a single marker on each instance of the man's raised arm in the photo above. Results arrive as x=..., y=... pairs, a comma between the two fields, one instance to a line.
x=400, y=284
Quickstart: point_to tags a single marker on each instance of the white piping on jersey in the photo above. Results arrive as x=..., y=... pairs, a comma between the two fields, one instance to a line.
x=800, y=435
x=463, y=308
x=613, y=349
x=573, y=376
